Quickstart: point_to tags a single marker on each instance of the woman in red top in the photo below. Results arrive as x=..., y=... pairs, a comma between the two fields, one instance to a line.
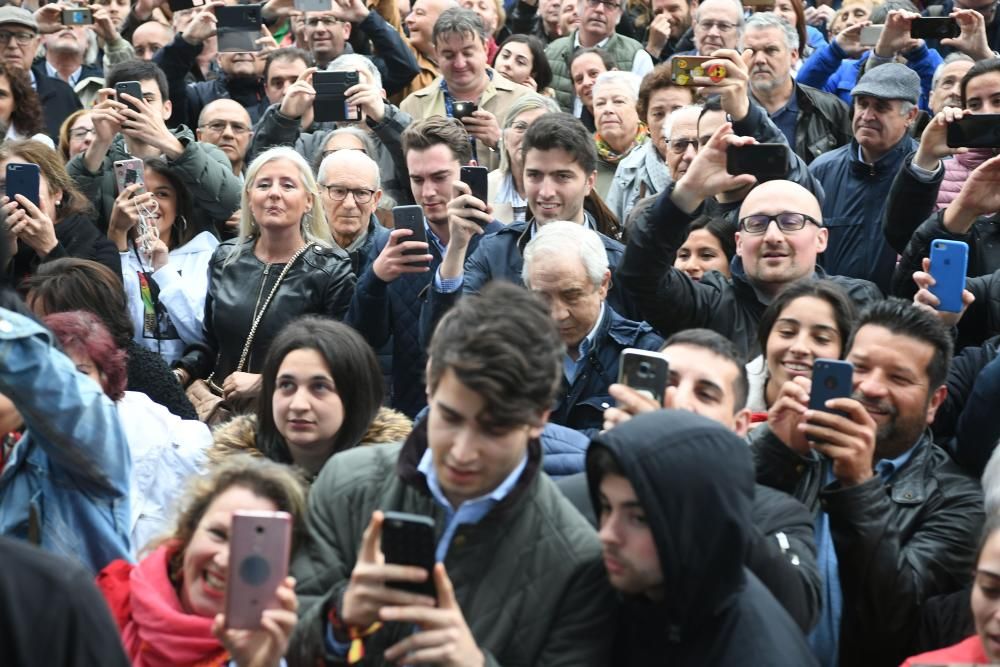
x=169, y=606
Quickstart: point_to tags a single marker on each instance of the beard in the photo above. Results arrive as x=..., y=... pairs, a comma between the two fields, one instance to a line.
x=899, y=433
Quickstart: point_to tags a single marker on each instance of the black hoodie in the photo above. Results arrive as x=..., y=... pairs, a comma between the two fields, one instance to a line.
x=695, y=481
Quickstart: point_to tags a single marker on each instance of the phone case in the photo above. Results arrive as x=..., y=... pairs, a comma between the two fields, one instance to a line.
x=128, y=172
x=683, y=69
x=644, y=371
x=408, y=539
x=77, y=16
x=132, y=88
x=330, y=104
x=949, y=264
x=22, y=179
x=412, y=218
x=765, y=161
x=477, y=180
x=259, y=545
x=238, y=28
x=831, y=378
x=976, y=131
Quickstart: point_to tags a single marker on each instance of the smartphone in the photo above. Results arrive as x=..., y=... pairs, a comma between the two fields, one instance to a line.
x=412, y=218
x=978, y=131
x=77, y=16
x=408, y=539
x=765, y=161
x=313, y=5
x=460, y=110
x=949, y=264
x=128, y=172
x=646, y=372
x=476, y=179
x=330, y=103
x=259, y=546
x=132, y=88
x=831, y=378
x=934, y=27
x=22, y=179
x=683, y=69
x=869, y=35
x=238, y=28
x=181, y=5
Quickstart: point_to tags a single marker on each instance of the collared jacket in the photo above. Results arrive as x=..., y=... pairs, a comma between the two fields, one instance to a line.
x=58, y=102
x=671, y=301
x=897, y=544
x=528, y=576
x=65, y=484
x=853, y=210
x=824, y=122
x=497, y=98
x=640, y=174
x=580, y=404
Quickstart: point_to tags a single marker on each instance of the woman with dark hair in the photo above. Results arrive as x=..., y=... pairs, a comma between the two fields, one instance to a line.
x=321, y=393
x=60, y=225
x=709, y=246
x=20, y=109
x=809, y=320
x=165, y=271
x=522, y=60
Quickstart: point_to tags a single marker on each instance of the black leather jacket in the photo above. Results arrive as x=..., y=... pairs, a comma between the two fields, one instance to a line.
x=320, y=283
x=897, y=543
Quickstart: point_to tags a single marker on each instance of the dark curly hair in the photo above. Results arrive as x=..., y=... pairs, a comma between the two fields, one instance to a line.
x=27, y=116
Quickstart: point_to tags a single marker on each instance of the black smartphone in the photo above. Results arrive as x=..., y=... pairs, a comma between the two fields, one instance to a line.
x=129, y=88
x=412, y=218
x=765, y=161
x=330, y=103
x=831, y=378
x=934, y=27
x=476, y=179
x=181, y=5
x=22, y=179
x=460, y=110
x=238, y=28
x=77, y=16
x=646, y=372
x=977, y=131
x=408, y=539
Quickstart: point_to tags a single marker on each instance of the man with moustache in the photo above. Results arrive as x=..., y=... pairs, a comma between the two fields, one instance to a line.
x=670, y=31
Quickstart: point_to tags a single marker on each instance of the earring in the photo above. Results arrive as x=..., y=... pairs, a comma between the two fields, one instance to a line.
x=184, y=223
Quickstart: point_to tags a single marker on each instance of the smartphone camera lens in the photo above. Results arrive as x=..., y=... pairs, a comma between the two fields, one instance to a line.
x=255, y=570
x=645, y=370
x=830, y=382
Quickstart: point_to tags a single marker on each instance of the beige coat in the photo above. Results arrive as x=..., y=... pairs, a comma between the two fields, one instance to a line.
x=497, y=98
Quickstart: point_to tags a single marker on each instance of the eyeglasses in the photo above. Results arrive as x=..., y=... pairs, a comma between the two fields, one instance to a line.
x=315, y=21
x=22, y=38
x=610, y=4
x=339, y=193
x=82, y=132
x=519, y=126
x=219, y=126
x=723, y=26
x=680, y=146
x=787, y=222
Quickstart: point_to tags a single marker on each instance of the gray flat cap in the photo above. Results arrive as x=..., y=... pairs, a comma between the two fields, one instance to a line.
x=891, y=81
x=11, y=14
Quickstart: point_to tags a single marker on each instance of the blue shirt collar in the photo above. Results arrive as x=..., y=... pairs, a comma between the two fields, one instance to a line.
x=426, y=466
x=886, y=468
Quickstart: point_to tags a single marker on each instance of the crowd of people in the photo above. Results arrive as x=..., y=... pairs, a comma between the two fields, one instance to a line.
x=215, y=304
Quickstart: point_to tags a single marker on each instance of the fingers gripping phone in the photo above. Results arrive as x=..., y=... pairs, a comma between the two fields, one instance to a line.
x=408, y=539
x=259, y=545
x=460, y=110
x=77, y=16
x=129, y=172
x=831, y=378
x=330, y=103
x=949, y=263
x=132, y=88
x=975, y=131
x=412, y=218
x=22, y=179
x=765, y=161
x=646, y=372
x=477, y=180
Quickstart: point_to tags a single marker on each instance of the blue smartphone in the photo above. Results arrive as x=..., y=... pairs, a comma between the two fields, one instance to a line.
x=831, y=378
x=22, y=179
x=949, y=263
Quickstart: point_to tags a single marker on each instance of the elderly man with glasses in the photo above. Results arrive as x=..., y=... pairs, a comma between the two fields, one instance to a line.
x=598, y=19
x=718, y=24
x=226, y=124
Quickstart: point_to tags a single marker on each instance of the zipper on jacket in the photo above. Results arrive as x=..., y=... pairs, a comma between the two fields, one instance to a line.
x=260, y=292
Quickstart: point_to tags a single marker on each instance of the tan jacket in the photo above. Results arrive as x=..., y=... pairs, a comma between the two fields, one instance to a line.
x=497, y=98
x=428, y=72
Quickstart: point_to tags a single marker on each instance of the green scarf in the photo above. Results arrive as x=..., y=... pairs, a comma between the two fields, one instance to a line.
x=608, y=155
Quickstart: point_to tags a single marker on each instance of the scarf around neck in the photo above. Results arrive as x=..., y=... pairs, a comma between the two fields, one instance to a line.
x=609, y=155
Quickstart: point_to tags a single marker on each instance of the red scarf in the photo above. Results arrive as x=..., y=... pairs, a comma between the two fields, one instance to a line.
x=155, y=630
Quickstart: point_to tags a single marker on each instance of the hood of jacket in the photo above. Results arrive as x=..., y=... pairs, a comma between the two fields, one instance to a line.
x=694, y=479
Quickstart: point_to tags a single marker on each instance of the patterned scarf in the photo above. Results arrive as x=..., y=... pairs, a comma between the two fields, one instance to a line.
x=608, y=155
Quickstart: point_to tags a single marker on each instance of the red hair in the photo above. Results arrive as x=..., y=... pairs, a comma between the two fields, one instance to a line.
x=81, y=332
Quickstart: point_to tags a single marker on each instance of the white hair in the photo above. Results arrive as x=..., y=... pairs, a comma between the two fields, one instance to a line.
x=668, y=124
x=561, y=238
x=991, y=483
x=624, y=80
x=765, y=20
x=354, y=62
x=350, y=155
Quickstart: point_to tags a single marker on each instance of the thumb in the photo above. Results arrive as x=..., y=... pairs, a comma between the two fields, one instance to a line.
x=371, y=541
x=445, y=591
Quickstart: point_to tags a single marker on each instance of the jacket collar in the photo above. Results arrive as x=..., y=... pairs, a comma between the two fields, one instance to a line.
x=909, y=484
x=888, y=163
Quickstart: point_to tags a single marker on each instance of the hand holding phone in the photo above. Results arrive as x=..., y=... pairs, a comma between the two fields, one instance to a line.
x=460, y=110
x=77, y=16
x=238, y=28
x=949, y=264
x=330, y=103
x=684, y=69
x=765, y=161
x=412, y=218
x=133, y=88
x=259, y=546
x=975, y=131
x=831, y=378
x=646, y=372
x=934, y=27
x=477, y=180
x=23, y=179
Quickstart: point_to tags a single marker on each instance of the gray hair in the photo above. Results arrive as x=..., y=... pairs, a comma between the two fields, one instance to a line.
x=953, y=57
x=740, y=20
x=356, y=132
x=355, y=62
x=349, y=154
x=527, y=102
x=880, y=12
x=459, y=21
x=905, y=107
x=668, y=124
x=313, y=224
x=627, y=80
x=562, y=237
x=991, y=483
x=765, y=20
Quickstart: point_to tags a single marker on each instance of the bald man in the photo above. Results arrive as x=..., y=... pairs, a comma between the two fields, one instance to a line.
x=150, y=37
x=780, y=233
x=226, y=124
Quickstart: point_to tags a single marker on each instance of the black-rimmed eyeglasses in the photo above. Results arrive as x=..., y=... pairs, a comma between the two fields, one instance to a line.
x=339, y=193
x=787, y=221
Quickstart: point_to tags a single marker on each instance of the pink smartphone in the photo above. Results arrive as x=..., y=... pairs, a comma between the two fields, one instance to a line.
x=259, y=544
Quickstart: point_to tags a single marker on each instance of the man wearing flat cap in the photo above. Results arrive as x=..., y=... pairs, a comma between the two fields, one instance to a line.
x=856, y=177
x=18, y=45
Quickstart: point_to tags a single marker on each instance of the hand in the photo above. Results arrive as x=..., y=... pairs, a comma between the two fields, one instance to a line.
x=706, y=176
x=849, y=442
x=49, y=17
x=895, y=37
x=924, y=299
x=352, y=11
x=483, y=126
x=530, y=83
x=266, y=646
x=299, y=96
x=143, y=9
x=820, y=15
x=104, y=25
x=125, y=214
x=366, y=593
x=267, y=44
x=107, y=118
x=148, y=126
x=972, y=40
x=233, y=223
x=444, y=637
x=275, y=9
x=934, y=140
x=365, y=95
x=239, y=386
x=659, y=34
x=629, y=404
x=467, y=217
x=733, y=87
x=391, y=263
x=786, y=413
x=203, y=24
x=849, y=39
x=29, y=224
x=980, y=195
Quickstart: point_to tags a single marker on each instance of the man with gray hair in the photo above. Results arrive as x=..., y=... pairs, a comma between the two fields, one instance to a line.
x=812, y=121
x=718, y=24
x=567, y=266
x=856, y=177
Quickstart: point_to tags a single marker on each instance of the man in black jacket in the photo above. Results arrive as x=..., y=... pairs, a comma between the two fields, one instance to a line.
x=897, y=520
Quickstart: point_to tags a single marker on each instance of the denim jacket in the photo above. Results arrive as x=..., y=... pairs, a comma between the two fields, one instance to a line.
x=65, y=485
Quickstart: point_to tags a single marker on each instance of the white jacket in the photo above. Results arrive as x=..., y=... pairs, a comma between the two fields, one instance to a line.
x=183, y=284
